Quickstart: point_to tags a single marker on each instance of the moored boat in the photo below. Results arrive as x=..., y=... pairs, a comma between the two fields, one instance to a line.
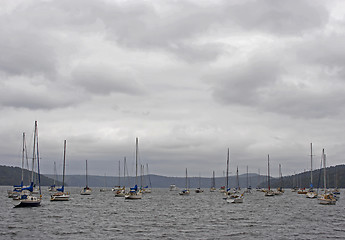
x=135, y=193
x=86, y=190
x=60, y=194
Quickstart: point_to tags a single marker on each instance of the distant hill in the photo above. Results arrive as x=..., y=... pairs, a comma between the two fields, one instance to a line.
x=335, y=178
x=159, y=181
x=10, y=176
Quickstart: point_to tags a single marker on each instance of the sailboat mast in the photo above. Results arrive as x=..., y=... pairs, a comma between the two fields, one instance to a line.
x=119, y=174
x=311, y=165
x=227, y=170
x=55, y=177
x=280, y=175
x=238, y=181
x=124, y=171
x=213, y=180
x=136, y=161
x=64, y=163
x=324, y=169
x=23, y=156
x=186, y=180
x=34, y=154
x=147, y=168
x=247, y=177
x=268, y=172
x=38, y=164
x=86, y=174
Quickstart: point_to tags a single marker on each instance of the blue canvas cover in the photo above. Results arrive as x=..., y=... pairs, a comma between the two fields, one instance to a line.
x=30, y=188
x=62, y=189
x=134, y=189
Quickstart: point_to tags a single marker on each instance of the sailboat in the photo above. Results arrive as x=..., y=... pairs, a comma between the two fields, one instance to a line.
x=213, y=183
x=269, y=192
x=248, y=186
x=121, y=191
x=86, y=190
x=236, y=197
x=52, y=188
x=26, y=199
x=186, y=190
x=148, y=188
x=336, y=191
x=227, y=189
x=280, y=190
x=105, y=188
x=135, y=193
x=327, y=197
x=199, y=190
x=61, y=195
x=258, y=188
x=311, y=193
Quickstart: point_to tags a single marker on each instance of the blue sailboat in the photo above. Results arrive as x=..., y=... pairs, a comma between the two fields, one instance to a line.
x=134, y=192
x=26, y=198
x=61, y=195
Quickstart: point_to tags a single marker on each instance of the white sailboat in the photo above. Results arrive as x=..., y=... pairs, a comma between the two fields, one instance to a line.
x=227, y=189
x=269, y=192
x=60, y=194
x=199, y=189
x=105, y=188
x=53, y=188
x=121, y=191
x=173, y=187
x=86, y=190
x=26, y=198
x=327, y=197
x=280, y=189
x=213, y=183
x=311, y=193
x=148, y=188
x=236, y=197
x=186, y=190
x=135, y=193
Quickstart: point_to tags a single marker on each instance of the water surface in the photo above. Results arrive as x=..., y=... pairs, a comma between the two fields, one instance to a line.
x=166, y=215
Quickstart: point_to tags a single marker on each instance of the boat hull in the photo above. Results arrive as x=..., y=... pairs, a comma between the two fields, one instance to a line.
x=59, y=197
x=86, y=192
x=235, y=200
x=29, y=201
x=133, y=196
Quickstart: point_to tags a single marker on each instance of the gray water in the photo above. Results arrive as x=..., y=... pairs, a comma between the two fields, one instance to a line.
x=166, y=215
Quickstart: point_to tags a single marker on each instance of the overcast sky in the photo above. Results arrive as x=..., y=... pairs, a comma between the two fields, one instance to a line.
x=188, y=78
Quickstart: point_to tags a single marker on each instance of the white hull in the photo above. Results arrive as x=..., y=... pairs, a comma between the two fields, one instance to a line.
x=59, y=197
x=327, y=199
x=311, y=195
x=30, y=201
x=269, y=193
x=235, y=200
x=133, y=196
x=86, y=192
x=147, y=190
x=120, y=193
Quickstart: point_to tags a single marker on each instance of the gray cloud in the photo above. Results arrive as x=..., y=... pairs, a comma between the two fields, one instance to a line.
x=189, y=78
x=279, y=17
x=106, y=79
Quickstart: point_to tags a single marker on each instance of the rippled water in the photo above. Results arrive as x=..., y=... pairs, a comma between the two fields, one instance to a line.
x=166, y=215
